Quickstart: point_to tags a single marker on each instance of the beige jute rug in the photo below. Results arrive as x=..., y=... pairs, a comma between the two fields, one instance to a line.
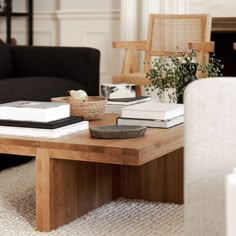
x=122, y=217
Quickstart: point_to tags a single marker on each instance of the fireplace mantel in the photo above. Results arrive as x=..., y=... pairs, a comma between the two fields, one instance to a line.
x=224, y=24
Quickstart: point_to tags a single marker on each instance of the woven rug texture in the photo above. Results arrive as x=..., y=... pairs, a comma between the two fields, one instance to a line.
x=122, y=217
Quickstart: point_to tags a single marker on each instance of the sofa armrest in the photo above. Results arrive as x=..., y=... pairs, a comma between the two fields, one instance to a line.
x=74, y=63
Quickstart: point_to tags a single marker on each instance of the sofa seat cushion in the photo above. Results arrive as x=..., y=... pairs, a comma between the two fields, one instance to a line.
x=36, y=88
x=5, y=60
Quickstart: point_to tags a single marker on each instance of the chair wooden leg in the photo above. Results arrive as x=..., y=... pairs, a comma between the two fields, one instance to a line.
x=138, y=90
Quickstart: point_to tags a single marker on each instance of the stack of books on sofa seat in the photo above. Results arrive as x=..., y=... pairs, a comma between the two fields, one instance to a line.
x=114, y=105
x=152, y=114
x=39, y=119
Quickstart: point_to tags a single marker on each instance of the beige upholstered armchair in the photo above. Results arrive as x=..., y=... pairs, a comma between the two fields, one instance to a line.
x=210, y=153
x=167, y=34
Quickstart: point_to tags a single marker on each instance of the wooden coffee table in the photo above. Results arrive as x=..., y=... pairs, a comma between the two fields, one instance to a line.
x=77, y=173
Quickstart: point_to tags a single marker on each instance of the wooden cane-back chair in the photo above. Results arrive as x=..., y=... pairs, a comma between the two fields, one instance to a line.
x=167, y=34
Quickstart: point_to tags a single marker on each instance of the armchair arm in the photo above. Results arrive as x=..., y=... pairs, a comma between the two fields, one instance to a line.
x=203, y=46
x=74, y=63
x=203, y=49
x=135, y=45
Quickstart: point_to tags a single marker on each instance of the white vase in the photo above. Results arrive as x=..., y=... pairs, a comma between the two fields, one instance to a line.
x=168, y=96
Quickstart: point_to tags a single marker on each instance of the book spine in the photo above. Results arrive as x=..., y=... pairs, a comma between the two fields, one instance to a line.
x=42, y=125
x=44, y=133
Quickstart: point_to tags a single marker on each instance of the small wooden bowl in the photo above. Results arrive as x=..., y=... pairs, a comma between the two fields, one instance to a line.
x=92, y=109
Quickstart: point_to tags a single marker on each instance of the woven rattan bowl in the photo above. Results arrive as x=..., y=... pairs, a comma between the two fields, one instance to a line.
x=92, y=109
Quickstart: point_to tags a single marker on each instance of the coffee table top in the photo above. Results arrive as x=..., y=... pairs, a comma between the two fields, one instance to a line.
x=80, y=146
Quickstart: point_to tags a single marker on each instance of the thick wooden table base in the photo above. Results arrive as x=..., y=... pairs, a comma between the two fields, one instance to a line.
x=160, y=180
x=67, y=189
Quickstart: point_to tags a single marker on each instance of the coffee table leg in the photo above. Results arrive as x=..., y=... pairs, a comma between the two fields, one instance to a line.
x=42, y=190
x=67, y=189
x=160, y=180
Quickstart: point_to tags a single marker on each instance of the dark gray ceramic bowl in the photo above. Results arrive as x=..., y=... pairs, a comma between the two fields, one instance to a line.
x=117, y=131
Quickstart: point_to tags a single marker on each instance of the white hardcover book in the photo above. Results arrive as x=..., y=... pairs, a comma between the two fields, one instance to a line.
x=115, y=105
x=151, y=123
x=34, y=111
x=44, y=133
x=128, y=101
x=114, y=109
x=153, y=110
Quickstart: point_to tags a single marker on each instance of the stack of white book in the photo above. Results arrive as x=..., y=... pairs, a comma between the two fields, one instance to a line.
x=39, y=119
x=152, y=114
x=116, y=104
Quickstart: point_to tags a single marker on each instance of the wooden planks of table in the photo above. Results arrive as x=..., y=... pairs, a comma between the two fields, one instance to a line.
x=76, y=173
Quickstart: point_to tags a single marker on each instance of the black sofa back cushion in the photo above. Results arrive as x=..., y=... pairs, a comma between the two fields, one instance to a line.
x=36, y=88
x=5, y=60
x=79, y=64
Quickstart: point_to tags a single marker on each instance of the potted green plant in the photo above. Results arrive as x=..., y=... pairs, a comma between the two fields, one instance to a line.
x=171, y=74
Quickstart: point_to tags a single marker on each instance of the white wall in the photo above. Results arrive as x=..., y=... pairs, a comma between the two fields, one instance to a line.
x=90, y=4
x=39, y=5
x=94, y=24
x=45, y=22
x=217, y=8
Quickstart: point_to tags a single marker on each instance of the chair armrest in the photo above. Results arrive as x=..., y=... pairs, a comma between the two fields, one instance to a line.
x=203, y=46
x=203, y=49
x=135, y=45
x=234, y=46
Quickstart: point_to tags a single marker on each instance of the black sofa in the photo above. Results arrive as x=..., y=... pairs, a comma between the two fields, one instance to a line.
x=41, y=72
x=38, y=73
